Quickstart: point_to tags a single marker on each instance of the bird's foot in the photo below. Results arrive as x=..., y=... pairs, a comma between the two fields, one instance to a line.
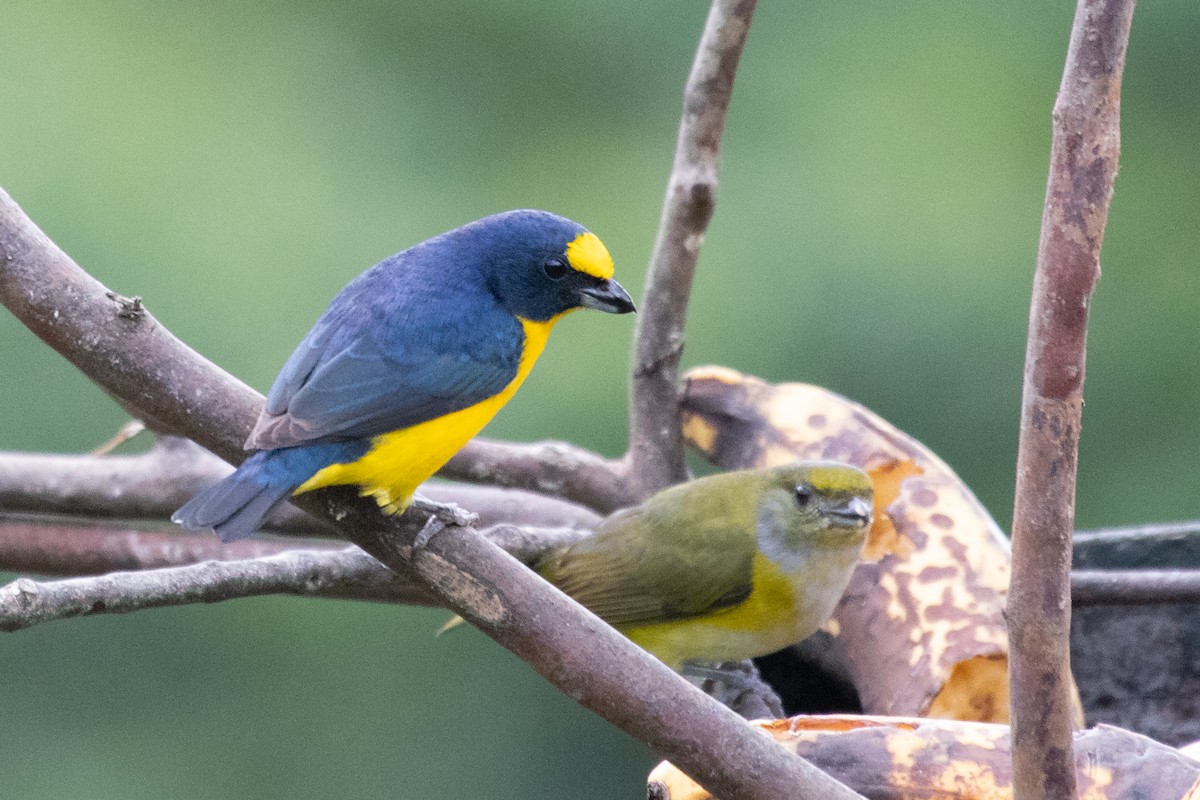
x=730, y=673
x=737, y=685
x=440, y=516
x=448, y=513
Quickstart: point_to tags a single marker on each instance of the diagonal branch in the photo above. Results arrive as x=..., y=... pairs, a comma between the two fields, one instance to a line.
x=655, y=455
x=1083, y=164
x=132, y=356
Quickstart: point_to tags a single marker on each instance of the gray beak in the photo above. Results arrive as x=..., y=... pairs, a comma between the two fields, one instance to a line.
x=609, y=297
x=856, y=512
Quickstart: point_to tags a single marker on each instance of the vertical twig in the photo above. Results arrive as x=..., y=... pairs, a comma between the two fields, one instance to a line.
x=1083, y=164
x=655, y=441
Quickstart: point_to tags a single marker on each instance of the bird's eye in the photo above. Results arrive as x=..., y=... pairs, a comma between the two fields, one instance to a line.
x=803, y=495
x=555, y=269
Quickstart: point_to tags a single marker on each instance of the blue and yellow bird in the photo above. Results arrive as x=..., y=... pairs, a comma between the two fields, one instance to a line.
x=409, y=362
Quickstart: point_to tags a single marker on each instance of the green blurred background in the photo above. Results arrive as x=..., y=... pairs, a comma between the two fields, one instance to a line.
x=235, y=164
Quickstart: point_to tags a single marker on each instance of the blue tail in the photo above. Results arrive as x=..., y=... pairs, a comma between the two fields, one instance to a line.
x=235, y=507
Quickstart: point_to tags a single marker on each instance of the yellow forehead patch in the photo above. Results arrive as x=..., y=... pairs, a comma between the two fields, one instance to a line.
x=588, y=255
x=838, y=478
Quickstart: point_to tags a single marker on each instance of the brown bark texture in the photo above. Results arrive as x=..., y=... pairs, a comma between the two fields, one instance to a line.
x=922, y=759
x=921, y=627
x=1083, y=165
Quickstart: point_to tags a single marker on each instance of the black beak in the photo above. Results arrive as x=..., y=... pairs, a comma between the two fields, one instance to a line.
x=857, y=512
x=609, y=297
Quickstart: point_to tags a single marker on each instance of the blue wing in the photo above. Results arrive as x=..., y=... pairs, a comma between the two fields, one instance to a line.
x=374, y=364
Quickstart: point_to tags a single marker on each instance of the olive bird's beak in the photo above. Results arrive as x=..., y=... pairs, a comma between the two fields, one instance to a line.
x=857, y=512
x=609, y=297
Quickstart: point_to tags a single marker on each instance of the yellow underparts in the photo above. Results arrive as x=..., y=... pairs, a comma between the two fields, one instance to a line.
x=588, y=255
x=400, y=461
x=764, y=622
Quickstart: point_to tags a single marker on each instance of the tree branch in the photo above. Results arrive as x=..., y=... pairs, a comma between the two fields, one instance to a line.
x=153, y=484
x=1083, y=164
x=63, y=546
x=204, y=570
x=558, y=469
x=348, y=572
x=655, y=455
x=135, y=358
x=149, y=485
x=57, y=546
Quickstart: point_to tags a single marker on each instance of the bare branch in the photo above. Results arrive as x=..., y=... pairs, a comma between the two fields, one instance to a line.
x=148, y=485
x=25, y=602
x=1083, y=164
x=558, y=469
x=656, y=445
x=58, y=546
x=153, y=484
x=513, y=507
x=133, y=357
x=204, y=570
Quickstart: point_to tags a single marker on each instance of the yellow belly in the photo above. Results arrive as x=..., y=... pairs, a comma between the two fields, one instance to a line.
x=400, y=461
x=766, y=621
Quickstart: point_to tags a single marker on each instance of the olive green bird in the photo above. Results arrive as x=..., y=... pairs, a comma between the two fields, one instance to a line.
x=723, y=568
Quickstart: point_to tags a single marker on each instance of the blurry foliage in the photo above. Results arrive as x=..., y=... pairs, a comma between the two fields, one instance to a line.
x=882, y=183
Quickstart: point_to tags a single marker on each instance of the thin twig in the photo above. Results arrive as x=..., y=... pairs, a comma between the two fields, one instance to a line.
x=144, y=364
x=1083, y=164
x=655, y=442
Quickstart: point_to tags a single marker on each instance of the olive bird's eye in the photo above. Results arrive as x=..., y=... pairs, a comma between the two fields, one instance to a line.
x=555, y=269
x=803, y=495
